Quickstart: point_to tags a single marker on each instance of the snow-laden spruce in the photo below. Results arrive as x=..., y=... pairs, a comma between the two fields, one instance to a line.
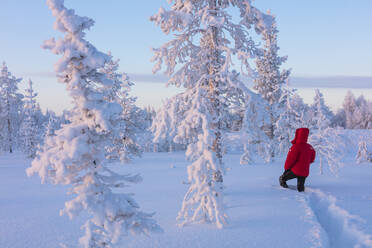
x=125, y=143
x=320, y=114
x=31, y=136
x=269, y=82
x=355, y=114
x=327, y=141
x=284, y=126
x=53, y=122
x=293, y=114
x=11, y=110
x=164, y=127
x=200, y=59
x=50, y=127
x=364, y=154
x=76, y=154
x=253, y=137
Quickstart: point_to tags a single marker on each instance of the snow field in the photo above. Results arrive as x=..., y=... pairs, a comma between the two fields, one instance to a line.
x=29, y=211
x=261, y=214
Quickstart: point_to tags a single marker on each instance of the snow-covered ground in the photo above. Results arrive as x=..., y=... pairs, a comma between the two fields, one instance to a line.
x=333, y=212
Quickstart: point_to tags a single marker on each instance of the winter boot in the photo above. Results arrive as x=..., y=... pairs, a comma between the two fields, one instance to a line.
x=282, y=182
x=300, y=188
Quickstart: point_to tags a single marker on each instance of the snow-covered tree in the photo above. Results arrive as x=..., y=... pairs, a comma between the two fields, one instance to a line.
x=167, y=119
x=293, y=114
x=11, y=109
x=199, y=58
x=362, y=116
x=76, y=154
x=349, y=106
x=252, y=133
x=125, y=145
x=300, y=111
x=329, y=145
x=53, y=122
x=369, y=116
x=50, y=127
x=145, y=117
x=162, y=128
x=29, y=129
x=363, y=154
x=326, y=140
x=40, y=119
x=270, y=80
x=320, y=110
x=355, y=114
x=339, y=119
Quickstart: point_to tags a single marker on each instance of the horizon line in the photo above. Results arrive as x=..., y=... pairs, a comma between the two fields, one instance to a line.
x=313, y=81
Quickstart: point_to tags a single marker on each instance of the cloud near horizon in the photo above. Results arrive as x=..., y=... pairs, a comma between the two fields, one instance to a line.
x=352, y=82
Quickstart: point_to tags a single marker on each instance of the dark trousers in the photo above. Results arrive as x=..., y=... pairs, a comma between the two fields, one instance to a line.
x=288, y=175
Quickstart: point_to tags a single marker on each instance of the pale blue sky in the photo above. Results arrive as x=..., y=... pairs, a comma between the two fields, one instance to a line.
x=321, y=39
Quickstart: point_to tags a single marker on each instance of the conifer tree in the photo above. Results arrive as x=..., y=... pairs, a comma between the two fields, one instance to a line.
x=350, y=107
x=270, y=80
x=293, y=114
x=363, y=154
x=50, y=127
x=320, y=113
x=11, y=109
x=199, y=59
x=165, y=124
x=253, y=136
x=362, y=116
x=75, y=156
x=326, y=140
x=125, y=145
x=29, y=129
x=52, y=123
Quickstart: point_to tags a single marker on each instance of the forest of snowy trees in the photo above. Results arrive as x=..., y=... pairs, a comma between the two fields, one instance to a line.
x=105, y=125
x=23, y=124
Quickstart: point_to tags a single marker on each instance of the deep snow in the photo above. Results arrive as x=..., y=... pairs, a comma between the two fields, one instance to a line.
x=333, y=211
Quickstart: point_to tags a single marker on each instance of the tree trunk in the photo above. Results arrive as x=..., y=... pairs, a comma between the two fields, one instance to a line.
x=9, y=137
x=213, y=91
x=9, y=124
x=155, y=148
x=171, y=146
x=272, y=123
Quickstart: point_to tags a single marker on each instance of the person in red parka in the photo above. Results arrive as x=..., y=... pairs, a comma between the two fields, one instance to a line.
x=298, y=161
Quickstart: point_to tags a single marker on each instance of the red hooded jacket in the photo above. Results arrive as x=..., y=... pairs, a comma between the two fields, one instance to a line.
x=301, y=154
